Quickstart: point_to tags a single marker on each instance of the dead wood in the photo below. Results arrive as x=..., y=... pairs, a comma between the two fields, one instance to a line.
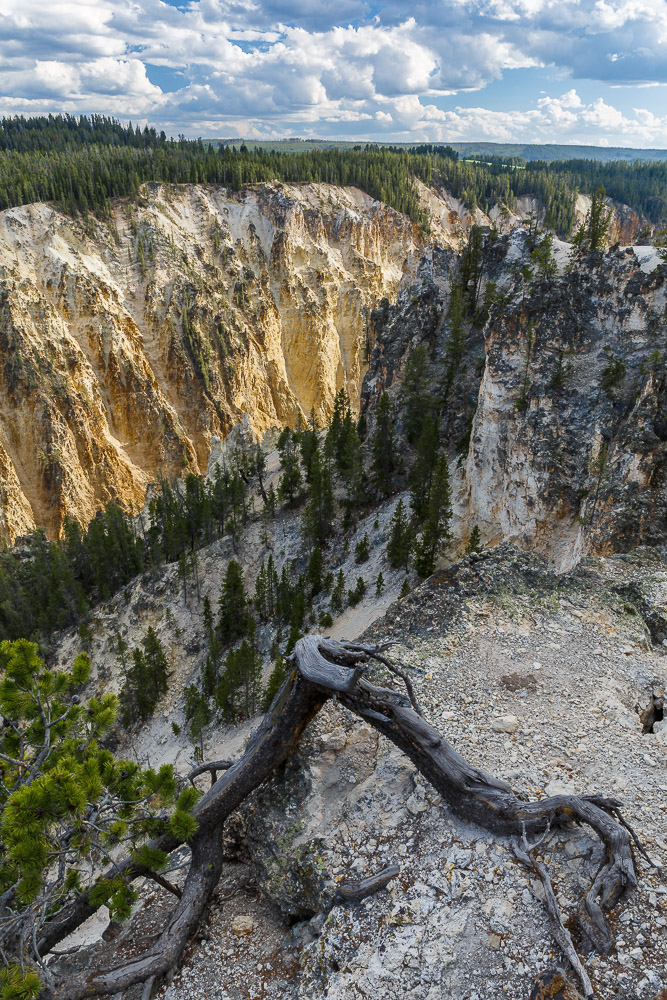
x=322, y=668
x=354, y=891
x=526, y=853
x=211, y=768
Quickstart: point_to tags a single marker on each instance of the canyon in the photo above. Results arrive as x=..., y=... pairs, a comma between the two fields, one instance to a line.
x=128, y=346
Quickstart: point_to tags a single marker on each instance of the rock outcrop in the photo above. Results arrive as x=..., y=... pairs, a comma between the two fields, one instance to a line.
x=556, y=422
x=128, y=346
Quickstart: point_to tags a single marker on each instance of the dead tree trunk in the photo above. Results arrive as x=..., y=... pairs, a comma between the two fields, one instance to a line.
x=322, y=668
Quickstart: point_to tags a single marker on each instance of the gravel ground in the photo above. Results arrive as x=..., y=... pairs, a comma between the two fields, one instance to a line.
x=538, y=678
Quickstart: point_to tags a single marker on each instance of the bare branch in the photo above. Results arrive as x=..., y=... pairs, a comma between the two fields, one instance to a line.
x=526, y=854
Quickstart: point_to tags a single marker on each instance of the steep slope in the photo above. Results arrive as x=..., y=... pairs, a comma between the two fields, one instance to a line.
x=569, y=441
x=556, y=421
x=127, y=346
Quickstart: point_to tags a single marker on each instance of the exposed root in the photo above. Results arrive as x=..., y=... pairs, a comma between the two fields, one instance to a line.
x=355, y=891
x=325, y=668
x=526, y=853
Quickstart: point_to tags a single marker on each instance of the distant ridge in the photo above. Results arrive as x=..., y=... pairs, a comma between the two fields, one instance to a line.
x=527, y=150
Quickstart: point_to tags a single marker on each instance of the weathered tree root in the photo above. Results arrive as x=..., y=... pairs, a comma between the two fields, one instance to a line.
x=526, y=854
x=323, y=668
x=356, y=891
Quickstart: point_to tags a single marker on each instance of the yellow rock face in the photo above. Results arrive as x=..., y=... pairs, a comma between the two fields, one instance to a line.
x=126, y=346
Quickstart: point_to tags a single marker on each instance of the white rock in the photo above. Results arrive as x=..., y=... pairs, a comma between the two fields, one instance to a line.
x=505, y=724
x=243, y=924
x=559, y=787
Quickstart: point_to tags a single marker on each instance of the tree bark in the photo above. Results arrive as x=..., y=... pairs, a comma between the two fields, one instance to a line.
x=323, y=668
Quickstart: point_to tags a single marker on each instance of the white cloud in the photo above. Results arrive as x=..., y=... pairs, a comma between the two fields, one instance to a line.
x=278, y=68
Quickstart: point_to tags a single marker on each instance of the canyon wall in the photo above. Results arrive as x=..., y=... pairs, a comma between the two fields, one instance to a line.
x=556, y=426
x=126, y=346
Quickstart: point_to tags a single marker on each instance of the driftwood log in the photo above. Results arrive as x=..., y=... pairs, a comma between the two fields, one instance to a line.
x=322, y=668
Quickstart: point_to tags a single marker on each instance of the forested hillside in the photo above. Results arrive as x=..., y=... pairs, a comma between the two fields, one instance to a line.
x=81, y=164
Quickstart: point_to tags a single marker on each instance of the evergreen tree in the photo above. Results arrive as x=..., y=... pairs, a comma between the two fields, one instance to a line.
x=290, y=479
x=456, y=342
x=212, y=664
x=332, y=440
x=319, y=512
x=362, y=550
x=416, y=401
x=436, y=524
x=471, y=268
x=308, y=445
x=379, y=584
x=384, y=462
x=354, y=596
x=156, y=660
x=542, y=256
x=338, y=595
x=64, y=798
x=350, y=465
x=239, y=691
x=198, y=714
x=235, y=621
x=474, y=541
x=422, y=472
x=314, y=571
x=593, y=231
x=271, y=500
x=401, y=539
x=275, y=681
x=147, y=678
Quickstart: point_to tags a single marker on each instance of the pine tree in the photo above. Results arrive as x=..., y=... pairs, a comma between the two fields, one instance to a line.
x=341, y=405
x=308, y=445
x=198, y=714
x=239, y=691
x=593, y=231
x=146, y=680
x=319, y=512
x=362, y=550
x=401, y=539
x=354, y=596
x=379, y=584
x=338, y=595
x=436, y=524
x=212, y=664
x=235, y=621
x=384, y=462
x=63, y=797
x=471, y=268
x=349, y=460
x=456, y=342
x=260, y=593
x=290, y=479
x=314, y=571
x=275, y=681
x=271, y=501
x=474, y=541
x=156, y=661
x=422, y=472
x=416, y=402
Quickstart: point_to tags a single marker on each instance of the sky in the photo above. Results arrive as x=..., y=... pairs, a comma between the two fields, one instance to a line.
x=564, y=71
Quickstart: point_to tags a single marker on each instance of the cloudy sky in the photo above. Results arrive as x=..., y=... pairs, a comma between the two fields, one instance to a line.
x=589, y=71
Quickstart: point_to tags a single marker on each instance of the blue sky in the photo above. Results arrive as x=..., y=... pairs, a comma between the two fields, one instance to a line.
x=573, y=71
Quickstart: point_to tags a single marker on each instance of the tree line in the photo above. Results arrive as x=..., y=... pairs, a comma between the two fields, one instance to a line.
x=49, y=585
x=81, y=164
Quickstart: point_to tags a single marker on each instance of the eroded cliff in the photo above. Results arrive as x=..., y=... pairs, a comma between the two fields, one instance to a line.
x=556, y=421
x=127, y=346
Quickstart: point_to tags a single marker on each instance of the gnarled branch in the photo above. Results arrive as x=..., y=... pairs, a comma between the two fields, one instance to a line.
x=322, y=668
